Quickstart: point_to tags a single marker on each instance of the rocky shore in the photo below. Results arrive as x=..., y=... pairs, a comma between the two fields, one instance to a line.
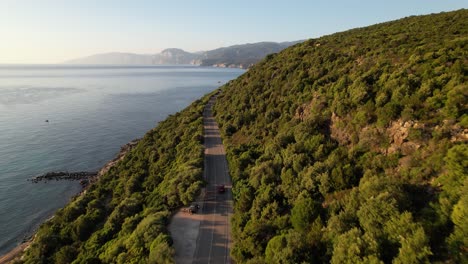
x=86, y=179
x=123, y=151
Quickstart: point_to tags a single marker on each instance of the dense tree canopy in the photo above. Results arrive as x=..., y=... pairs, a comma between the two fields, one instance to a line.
x=123, y=217
x=351, y=148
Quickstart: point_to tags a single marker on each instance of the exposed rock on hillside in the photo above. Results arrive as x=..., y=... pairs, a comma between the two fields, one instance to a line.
x=353, y=147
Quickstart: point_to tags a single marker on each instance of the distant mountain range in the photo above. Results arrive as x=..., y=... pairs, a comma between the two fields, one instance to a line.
x=237, y=56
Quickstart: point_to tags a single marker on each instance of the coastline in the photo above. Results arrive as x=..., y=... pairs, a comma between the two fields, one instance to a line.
x=17, y=251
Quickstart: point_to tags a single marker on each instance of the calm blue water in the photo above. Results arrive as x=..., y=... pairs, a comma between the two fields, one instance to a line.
x=92, y=111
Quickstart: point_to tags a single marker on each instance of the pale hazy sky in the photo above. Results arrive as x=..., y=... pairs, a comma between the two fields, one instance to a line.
x=51, y=31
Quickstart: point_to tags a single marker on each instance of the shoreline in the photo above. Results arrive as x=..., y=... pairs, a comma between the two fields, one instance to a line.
x=17, y=251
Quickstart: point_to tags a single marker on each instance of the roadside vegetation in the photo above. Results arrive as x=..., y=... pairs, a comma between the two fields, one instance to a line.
x=123, y=217
x=351, y=148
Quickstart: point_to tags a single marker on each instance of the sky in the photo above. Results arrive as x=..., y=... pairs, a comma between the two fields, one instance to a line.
x=52, y=31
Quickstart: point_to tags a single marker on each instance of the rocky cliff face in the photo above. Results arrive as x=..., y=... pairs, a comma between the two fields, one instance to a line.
x=176, y=56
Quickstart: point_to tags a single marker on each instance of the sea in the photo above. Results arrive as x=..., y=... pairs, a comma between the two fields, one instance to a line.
x=75, y=118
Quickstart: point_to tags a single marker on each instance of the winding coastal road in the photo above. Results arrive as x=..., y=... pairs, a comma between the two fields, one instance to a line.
x=205, y=237
x=214, y=237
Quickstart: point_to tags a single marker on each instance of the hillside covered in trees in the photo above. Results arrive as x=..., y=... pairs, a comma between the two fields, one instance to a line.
x=242, y=56
x=123, y=217
x=351, y=148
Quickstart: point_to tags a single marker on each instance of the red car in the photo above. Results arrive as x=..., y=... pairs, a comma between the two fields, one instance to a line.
x=221, y=188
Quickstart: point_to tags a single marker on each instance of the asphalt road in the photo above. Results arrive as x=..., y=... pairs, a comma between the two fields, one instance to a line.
x=214, y=237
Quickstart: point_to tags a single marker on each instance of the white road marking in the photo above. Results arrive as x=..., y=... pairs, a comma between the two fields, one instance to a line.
x=217, y=169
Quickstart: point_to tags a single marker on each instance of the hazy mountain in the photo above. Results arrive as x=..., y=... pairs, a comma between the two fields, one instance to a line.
x=175, y=56
x=241, y=56
x=115, y=58
x=244, y=55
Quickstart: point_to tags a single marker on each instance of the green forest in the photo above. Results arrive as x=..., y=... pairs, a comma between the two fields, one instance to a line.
x=351, y=148
x=123, y=217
